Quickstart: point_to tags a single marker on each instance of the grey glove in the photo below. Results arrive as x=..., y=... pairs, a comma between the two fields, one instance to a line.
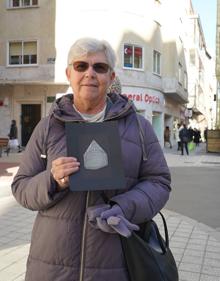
x=122, y=226
x=110, y=220
x=94, y=213
x=114, y=211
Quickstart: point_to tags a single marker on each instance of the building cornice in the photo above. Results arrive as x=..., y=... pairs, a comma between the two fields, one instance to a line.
x=33, y=82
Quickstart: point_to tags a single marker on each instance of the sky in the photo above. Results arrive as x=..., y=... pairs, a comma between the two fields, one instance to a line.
x=207, y=10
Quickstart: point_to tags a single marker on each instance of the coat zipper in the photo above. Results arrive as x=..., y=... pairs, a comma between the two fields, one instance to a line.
x=82, y=257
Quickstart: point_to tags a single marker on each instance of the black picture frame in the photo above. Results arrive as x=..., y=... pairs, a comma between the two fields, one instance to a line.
x=79, y=136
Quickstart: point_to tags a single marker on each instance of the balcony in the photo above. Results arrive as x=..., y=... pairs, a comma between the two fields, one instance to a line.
x=28, y=74
x=174, y=90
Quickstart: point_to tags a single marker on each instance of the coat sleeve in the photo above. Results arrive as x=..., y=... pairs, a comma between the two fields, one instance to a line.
x=144, y=200
x=33, y=185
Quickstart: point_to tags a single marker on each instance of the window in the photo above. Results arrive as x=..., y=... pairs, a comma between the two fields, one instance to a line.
x=180, y=73
x=22, y=53
x=15, y=3
x=133, y=56
x=156, y=62
x=22, y=3
x=192, y=56
x=185, y=80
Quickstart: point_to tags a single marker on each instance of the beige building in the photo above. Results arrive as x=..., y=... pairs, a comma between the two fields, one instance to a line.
x=200, y=68
x=149, y=45
x=213, y=140
x=27, y=63
x=218, y=66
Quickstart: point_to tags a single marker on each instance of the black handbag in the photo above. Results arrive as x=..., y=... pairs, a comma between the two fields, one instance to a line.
x=147, y=254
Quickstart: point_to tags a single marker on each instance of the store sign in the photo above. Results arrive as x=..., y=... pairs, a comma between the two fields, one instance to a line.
x=51, y=60
x=188, y=113
x=50, y=99
x=143, y=98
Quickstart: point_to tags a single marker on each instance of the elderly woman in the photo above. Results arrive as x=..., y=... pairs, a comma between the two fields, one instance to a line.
x=73, y=237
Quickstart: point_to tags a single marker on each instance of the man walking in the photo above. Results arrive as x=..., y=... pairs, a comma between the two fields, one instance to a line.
x=184, y=137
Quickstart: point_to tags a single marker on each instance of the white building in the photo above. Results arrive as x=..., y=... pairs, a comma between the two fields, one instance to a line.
x=201, y=81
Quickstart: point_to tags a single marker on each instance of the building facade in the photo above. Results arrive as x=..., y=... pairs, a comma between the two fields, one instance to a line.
x=217, y=69
x=151, y=66
x=27, y=63
x=201, y=82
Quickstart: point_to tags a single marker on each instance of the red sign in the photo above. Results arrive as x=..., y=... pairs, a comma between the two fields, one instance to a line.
x=138, y=52
x=143, y=97
x=128, y=50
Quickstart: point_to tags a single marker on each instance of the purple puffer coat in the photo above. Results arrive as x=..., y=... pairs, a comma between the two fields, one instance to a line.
x=64, y=247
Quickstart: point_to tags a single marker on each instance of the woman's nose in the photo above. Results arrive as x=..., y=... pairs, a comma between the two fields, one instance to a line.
x=90, y=71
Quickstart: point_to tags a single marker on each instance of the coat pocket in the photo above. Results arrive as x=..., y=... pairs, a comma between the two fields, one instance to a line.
x=52, y=242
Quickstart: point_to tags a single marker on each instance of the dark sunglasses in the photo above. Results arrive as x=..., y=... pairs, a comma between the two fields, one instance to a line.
x=99, y=67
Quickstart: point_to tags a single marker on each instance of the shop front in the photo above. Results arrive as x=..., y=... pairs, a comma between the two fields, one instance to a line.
x=150, y=104
x=27, y=104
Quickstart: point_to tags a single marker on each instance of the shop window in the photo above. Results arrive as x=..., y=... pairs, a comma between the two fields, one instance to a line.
x=22, y=53
x=22, y=3
x=157, y=62
x=133, y=56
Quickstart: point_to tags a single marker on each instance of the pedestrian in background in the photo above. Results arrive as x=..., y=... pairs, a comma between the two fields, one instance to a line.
x=73, y=237
x=191, y=133
x=178, y=141
x=184, y=137
x=167, y=136
x=197, y=136
x=205, y=134
x=13, y=138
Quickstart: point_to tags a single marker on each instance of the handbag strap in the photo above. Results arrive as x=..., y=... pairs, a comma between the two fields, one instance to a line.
x=164, y=244
x=165, y=230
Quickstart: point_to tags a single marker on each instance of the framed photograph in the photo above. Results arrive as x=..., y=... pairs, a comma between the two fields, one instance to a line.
x=97, y=147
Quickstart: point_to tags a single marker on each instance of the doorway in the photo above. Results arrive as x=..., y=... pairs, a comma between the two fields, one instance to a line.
x=30, y=116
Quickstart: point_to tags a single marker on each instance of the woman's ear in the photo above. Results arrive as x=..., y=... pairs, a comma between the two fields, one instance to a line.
x=68, y=73
x=112, y=75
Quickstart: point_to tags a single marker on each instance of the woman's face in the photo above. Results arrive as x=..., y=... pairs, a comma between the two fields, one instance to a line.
x=89, y=85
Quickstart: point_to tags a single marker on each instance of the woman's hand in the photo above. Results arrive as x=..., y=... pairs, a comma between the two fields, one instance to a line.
x=62, y=167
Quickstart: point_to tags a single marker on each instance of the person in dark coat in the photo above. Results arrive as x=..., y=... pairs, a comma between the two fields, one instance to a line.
x=191, y=134
x=206, y=134
x=13, y=135
x=184, y=137
x=197, y=136
x=74, y=237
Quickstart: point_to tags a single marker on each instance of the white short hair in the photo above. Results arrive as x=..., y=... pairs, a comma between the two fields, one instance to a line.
x=87, y=45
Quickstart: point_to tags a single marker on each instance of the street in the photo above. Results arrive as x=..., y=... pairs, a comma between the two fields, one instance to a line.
x=195, y=185
x=193, y=207
x=196, y=193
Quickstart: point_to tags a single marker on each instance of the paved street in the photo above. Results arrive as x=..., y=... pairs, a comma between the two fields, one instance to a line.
x=196, y=193
x=195, y=245
x=195, y=186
